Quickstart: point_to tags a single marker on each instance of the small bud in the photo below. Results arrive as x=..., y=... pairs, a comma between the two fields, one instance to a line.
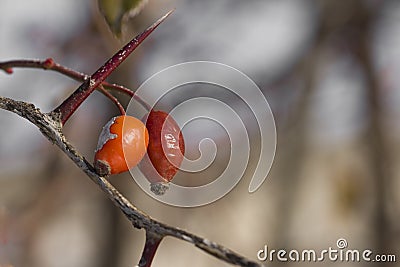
x=9, y=70
x=48, y=63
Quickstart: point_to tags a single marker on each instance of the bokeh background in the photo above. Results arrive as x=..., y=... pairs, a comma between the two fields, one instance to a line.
x=329, y=71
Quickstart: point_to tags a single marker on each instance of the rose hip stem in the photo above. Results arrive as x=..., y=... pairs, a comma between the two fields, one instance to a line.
x=112, y=98
x=68, y=107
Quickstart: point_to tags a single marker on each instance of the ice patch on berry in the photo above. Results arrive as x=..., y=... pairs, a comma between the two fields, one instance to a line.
x=159, y=188
x=106, y=134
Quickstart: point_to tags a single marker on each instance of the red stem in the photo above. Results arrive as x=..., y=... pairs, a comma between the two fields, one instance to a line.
x=43, y=64
x=73, y=74
x=128, y=92
x=150, y=248
x=112, y=98
x=68, y=107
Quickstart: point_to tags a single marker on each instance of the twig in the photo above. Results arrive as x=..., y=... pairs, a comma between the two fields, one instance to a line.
x=129, y=92
x=51, y=128
x=150, y=248
x=112, y=98
x=49, y=64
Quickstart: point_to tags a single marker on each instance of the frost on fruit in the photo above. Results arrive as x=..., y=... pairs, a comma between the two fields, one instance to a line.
x=106, y=134
x=159, y=188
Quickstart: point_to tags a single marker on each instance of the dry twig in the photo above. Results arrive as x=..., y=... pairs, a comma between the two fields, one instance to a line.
x=50, y=126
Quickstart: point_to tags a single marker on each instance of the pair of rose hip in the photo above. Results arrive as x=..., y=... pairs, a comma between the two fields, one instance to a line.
x=155, y=143
x=124, y=141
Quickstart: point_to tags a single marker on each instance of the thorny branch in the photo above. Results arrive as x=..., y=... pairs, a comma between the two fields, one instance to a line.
x=51, y=127
x=68, y=107
x=49, y=64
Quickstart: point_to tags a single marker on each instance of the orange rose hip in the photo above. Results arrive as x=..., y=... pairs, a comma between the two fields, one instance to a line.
x=122, y=144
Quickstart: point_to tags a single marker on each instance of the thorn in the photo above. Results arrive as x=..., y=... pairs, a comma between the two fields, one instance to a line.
x=104, y=71
x=68, y=107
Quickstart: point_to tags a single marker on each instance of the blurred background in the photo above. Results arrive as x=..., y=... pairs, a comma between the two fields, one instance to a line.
x=328, y=69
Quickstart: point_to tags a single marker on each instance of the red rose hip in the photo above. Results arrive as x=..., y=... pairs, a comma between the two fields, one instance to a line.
x=164, y=152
